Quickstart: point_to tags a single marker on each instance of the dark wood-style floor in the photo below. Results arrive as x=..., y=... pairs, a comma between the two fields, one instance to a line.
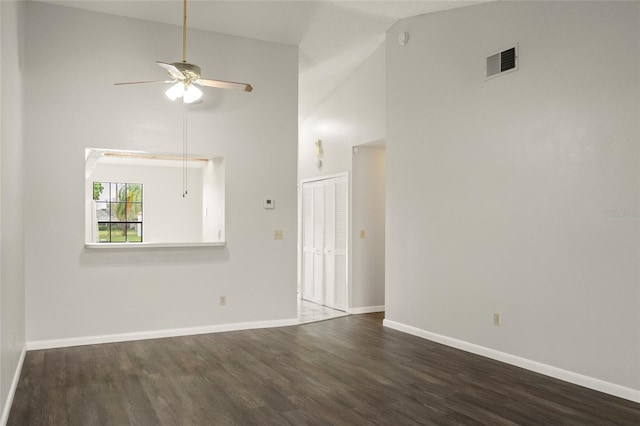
x=346, y=371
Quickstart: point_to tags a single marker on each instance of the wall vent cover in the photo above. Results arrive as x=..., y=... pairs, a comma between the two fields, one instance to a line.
x=502, y=62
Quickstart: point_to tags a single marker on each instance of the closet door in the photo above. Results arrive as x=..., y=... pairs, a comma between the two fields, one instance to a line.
x=324, y=242
x=335, y=248
x=313, y=242
x=318, y=244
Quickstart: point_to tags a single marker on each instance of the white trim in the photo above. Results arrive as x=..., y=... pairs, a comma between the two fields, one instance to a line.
x=538, y=367
x=12, y=389
x=366, y=309
x=156, y=334
x=111, y=246
x=324, y=177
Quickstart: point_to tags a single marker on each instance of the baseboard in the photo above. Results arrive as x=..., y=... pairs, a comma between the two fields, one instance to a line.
x=366, y=309
x=538, y=367
x=12, y=389
x=157, y=334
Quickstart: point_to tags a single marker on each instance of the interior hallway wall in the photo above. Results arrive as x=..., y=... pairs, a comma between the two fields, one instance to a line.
x=368, y=233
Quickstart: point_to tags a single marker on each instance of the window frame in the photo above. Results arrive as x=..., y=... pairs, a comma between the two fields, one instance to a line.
x=115, y=200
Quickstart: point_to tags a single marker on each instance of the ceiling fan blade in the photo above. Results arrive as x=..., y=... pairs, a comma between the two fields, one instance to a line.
x=145, y=82
x=172, y=70
x=220, y=84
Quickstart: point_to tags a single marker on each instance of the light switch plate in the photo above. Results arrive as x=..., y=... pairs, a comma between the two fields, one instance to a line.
x=497, y=320
x=269, y=203
x=277, y=234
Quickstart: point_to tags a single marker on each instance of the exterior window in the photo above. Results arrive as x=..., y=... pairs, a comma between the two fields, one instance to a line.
x=118, y=208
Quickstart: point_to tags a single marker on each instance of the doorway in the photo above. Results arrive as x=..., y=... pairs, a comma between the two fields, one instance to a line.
x=325, y=223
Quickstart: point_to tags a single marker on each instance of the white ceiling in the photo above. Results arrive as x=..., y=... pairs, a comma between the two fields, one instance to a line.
x=334, y=37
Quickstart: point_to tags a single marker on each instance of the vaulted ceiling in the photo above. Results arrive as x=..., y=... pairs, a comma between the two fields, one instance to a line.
x=334, y=37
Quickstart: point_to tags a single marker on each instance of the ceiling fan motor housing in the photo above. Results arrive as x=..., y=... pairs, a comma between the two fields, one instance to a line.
x=191, y=71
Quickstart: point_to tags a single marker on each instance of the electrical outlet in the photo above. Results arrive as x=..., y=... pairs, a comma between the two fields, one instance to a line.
x=223, y=300
x=496, y=319
x=277, y=234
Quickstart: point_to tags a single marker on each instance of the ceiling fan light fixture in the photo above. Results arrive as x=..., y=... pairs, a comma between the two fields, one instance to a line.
x=176, y=91
x=192, y=94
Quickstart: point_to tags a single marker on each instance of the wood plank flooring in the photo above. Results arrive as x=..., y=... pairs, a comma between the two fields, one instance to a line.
x=345, y=371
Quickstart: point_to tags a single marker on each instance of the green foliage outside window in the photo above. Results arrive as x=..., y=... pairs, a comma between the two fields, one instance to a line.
x=130, y=202
x=97, y=190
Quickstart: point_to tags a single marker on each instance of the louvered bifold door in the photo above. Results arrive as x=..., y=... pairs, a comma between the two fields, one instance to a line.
x=336, y=220
x=330, y=243
x=313, y=242
x=307, y=242
x=318, y=244
x=324, y=242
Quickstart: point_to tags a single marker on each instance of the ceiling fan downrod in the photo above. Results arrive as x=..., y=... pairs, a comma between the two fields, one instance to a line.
x=184, y=33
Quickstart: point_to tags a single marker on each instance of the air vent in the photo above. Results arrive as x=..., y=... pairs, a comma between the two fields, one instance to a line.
x=502, y=62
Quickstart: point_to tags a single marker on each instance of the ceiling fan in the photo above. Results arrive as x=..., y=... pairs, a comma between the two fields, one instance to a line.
x=186, y=77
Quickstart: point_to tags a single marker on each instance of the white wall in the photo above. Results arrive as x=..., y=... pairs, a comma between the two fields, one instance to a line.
x=498, y=190
x=353, y=115
x=167, y=216
x=12, y=298
x=368, y=183
x=73, y=59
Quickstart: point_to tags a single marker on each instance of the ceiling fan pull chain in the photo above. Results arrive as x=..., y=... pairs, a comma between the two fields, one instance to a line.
x=185, y=190
x=186, y=146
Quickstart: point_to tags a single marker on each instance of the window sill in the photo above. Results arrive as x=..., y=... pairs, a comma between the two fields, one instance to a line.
x=109, y=246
